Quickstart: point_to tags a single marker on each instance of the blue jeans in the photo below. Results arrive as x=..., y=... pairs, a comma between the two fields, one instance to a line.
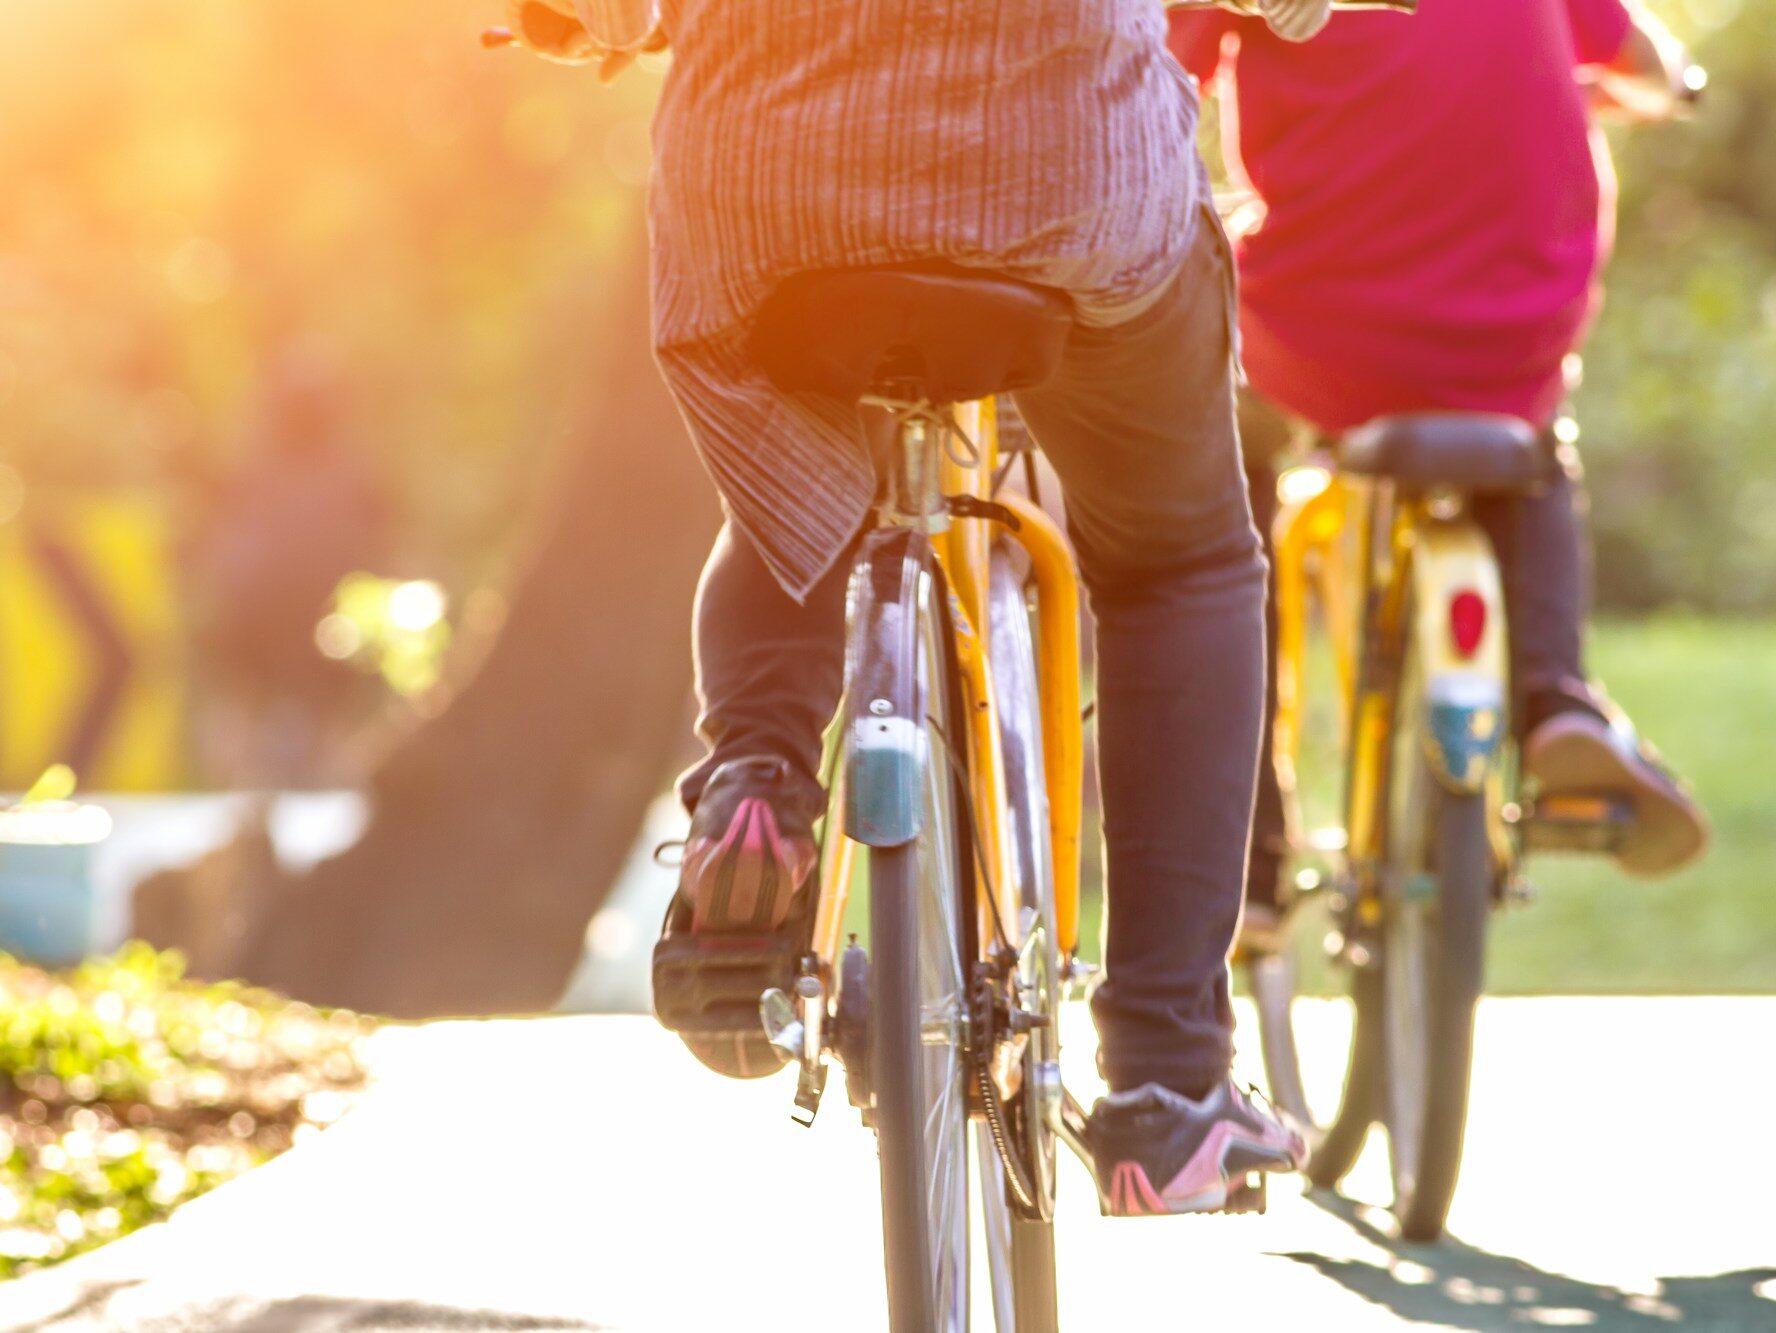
x=1139, y=425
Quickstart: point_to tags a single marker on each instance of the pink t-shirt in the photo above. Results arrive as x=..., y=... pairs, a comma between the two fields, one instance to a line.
x=1436, y=208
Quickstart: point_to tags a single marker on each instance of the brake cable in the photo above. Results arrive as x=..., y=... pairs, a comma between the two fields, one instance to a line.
x=974, y=831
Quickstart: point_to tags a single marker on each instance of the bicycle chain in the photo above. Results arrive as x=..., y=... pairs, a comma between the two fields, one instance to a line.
x=1017, y=1171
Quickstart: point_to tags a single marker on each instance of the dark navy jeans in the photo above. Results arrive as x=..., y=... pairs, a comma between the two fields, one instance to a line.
x=1139, y=425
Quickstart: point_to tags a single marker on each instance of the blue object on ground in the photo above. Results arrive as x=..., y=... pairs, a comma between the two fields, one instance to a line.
x=47, y=905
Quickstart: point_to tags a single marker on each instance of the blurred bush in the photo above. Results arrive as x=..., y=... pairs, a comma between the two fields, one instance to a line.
x=126, y=1090
x=1679, y=400
x=193, y=183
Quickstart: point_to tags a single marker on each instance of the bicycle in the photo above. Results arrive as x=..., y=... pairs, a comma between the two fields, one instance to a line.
x=959, y=774
x=959, y=771
x=1380, y=540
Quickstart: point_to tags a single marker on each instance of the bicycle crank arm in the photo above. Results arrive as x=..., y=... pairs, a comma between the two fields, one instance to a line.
x=797, y=1028
x=1070, y=1129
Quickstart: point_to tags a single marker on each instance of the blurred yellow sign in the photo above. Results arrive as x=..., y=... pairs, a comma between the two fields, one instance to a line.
x=89, y=646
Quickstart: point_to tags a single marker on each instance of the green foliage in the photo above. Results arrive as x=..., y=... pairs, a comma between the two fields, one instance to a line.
x=126, y=1090
x=394, y=628
x=1679, y=402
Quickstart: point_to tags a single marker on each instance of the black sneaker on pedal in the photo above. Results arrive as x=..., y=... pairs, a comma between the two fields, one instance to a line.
x=1156, y=1152
x=740, y=921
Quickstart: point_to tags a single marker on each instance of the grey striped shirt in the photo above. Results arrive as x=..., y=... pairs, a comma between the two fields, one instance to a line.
x=1049, y=139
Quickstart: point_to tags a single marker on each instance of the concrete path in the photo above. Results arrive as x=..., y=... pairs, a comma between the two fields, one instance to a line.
x=583, y=1174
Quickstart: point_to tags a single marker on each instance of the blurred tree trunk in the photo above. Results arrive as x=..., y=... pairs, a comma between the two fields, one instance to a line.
x=498, y=827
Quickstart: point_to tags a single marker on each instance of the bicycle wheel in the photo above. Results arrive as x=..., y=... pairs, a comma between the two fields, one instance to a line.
x=1335, y=1116
x=920, y=942
x=1436, y=896
x=1020, y=1239
x=1336, y=1129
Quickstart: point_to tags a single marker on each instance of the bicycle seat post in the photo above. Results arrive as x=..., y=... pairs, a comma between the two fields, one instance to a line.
x=914, y=494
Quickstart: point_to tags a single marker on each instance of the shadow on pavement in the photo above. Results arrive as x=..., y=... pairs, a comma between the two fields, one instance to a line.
x=1457, y=1286
x=302, y=1314
x=91, y=1301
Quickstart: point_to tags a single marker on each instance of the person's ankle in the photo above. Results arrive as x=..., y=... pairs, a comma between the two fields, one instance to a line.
x=1543, y=705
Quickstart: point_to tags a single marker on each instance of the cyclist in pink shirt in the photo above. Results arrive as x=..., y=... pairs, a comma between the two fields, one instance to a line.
x=1435, y=207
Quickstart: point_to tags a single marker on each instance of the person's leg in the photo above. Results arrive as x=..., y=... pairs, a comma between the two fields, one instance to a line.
x=1545, y=564
x=1573, y=740
x=1139, y=426
x=769, y=671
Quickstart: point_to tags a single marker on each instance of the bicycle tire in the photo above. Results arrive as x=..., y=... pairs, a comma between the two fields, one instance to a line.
x=1021, y=1249
x=1021, y=1254
x=1436, y=900
x=1336, y=1130
x=919, y=955
x=1335, y=1142
x=1426, y=1165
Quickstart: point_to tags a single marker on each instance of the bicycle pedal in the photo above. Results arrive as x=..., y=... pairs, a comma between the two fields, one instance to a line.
x=1251, y=1195
x=1575, y=822
x=1582, y=808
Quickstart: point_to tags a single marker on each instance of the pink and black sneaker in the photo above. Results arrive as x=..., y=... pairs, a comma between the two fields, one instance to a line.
x=750, y=849
x=1156, y=1152
x=739, y=923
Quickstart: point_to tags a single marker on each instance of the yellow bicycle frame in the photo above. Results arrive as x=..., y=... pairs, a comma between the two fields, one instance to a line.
x=963, y=551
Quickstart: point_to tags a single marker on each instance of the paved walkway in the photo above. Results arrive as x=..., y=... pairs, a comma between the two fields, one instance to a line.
x=583, y=1174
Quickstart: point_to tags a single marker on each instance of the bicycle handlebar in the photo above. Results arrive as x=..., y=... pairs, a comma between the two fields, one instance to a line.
x=1250, y=7
x=580, y=52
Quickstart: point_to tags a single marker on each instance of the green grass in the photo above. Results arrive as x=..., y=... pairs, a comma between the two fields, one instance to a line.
x=1704, y=691
x=127, y=1090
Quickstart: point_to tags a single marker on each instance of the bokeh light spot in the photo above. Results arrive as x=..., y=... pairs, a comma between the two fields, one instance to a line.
x=1298, y=485
x=1550, y=1316
x=611, y=934
x=338, y=637
x=416, y=606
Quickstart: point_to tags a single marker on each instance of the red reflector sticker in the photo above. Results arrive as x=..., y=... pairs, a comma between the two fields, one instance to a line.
x=1467, y=620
